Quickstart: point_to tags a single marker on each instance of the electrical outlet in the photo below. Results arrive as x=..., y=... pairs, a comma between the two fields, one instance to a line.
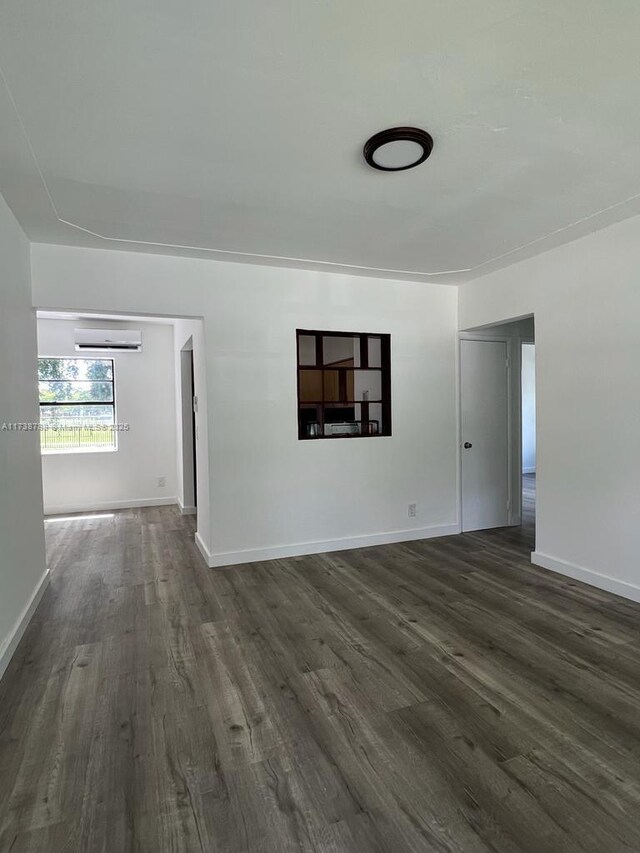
x=412, y=510
x=162, y=482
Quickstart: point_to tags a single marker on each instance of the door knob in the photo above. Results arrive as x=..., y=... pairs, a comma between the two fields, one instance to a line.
x=467, y=445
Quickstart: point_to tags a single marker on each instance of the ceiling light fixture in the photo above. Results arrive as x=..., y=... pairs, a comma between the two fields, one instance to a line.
x=398, y=148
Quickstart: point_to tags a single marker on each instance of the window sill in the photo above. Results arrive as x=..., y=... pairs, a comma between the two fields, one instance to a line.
x=334, y=437
x=75, y=450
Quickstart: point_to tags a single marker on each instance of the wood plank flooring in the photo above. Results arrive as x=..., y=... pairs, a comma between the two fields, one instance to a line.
x=442, y=695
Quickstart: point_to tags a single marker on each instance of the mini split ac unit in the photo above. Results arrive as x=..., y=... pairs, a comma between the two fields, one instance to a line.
x=108, y=340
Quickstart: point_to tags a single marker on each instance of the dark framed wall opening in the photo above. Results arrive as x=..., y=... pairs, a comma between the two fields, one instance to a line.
x=344, y=384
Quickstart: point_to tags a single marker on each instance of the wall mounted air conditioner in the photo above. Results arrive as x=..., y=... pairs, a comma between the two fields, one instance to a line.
x=108, y=340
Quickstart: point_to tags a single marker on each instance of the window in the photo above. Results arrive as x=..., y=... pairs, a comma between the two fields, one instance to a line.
x=77, y=404
x=344, y=384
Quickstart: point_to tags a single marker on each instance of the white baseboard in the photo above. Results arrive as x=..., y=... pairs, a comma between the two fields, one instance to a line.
x=10, y=644
x=206, y=553
x=609, y=584
x=65, y=509
x=256, y=555
x=529, y=470
x=187, y=510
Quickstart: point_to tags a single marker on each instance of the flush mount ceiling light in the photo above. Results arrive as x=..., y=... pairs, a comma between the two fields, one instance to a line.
x=398, y=148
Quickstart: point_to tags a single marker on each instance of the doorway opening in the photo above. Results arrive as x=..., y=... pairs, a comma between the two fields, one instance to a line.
x=497, y=429
x=188, y=403
x=123, y=414
x=528, y=436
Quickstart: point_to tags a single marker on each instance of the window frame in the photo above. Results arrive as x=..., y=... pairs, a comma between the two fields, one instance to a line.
x=70, y=450
x=385, y=426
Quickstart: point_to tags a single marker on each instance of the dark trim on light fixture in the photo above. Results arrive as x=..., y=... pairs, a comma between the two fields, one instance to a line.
x=398, y=134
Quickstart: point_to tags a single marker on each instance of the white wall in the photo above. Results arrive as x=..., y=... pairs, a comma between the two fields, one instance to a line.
x=145, y=399
x=22, y=558
x=270, y=493
x=528, y=375
x=586, y=300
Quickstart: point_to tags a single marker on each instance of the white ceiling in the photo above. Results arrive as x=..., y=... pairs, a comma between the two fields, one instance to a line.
x=233, y=129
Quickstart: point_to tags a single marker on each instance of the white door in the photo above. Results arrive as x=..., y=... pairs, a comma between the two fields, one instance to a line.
x=485, y=439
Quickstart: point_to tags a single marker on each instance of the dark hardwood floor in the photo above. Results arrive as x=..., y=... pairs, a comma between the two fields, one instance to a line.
x=442, y=695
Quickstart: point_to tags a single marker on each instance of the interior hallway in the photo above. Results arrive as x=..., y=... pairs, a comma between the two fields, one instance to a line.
x=441, y=695
x=529, y=506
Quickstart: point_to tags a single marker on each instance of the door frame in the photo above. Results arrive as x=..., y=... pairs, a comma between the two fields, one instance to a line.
x=523, y=343
x=188, y=447
x=514, y=422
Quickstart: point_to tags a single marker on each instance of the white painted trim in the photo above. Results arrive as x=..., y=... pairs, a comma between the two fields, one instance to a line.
x=10, y=644
x=65, y=509
x=187, y=510
x=529, y=470
x=458, y=390
x=609, y=584
x=206, y=553
x=255, y=555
